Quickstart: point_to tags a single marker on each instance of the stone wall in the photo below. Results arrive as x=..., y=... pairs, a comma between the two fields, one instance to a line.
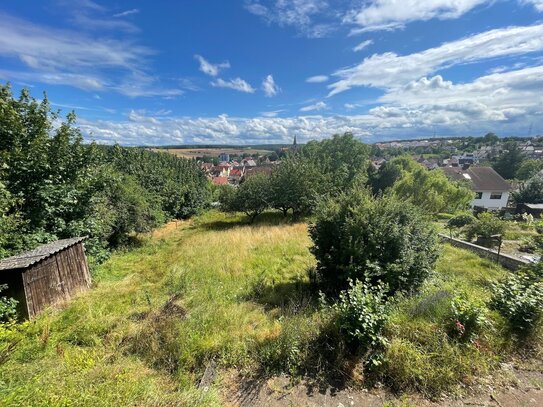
x=506, y=260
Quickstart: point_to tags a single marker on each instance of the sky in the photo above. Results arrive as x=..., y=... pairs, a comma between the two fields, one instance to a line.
x=261, y=71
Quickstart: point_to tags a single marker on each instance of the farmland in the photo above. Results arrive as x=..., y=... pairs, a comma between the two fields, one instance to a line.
x=211, y=152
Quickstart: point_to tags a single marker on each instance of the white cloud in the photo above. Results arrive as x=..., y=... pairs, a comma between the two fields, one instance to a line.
x=211, y=69
x=65, y=57
x=362, y=45
x=315, y=107
x=273, y=113
x=538, y=4
x=269, y=86
x=236, y=84
x=300, y=14
x=392, y=70
x=317, y=79
x=127, y=13
x=390, y=14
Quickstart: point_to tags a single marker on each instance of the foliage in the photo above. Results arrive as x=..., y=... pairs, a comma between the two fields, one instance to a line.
x=342, y=160
x=362, y=312
x=519, y=299
x=530, y=191
x=485, y=226
x=350, y=235
x=509, y=162
x=461, y=220
x=467, y=318
x=54, y=186
x=295, y=185
x=412, y=182
x=252, y=197
x=528, y=169
x=8, y=311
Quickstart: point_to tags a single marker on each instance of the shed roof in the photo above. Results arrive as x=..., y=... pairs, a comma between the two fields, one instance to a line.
x=480, y=178
x=31, y=257
x=533, y=206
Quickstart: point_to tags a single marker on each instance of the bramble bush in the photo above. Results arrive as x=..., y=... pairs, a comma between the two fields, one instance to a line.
x=361, y=314
x=359, y=237
x=519, y=299
x=486, y=225
x=466, y=319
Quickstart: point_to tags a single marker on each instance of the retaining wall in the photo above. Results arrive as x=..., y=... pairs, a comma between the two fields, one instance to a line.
x=506, y=260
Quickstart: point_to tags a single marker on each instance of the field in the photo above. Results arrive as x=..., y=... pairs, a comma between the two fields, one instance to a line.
x=205, y=307
x=210, y=152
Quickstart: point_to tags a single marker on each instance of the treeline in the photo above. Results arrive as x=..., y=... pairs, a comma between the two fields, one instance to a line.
x=333, y=166
x=54, y=186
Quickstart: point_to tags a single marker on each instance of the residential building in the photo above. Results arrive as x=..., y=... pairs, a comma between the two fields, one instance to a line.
x=491, y=190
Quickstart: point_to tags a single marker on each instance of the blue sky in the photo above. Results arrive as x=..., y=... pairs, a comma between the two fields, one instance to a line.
x=262, y=71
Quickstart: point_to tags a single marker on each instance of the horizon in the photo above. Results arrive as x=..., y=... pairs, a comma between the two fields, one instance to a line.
x=256, y=72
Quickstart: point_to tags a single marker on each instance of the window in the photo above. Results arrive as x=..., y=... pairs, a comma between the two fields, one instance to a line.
x=478, y=195
x=496, y=195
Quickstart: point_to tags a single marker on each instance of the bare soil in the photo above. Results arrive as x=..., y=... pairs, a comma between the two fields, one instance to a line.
x=516, y=384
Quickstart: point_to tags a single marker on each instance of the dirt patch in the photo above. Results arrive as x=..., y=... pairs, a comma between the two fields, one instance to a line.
x=515, y=385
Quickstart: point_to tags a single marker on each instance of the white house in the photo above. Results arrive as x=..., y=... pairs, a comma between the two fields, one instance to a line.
x=491, y=190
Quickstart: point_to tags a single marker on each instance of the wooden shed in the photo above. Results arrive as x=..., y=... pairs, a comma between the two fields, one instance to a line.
x=47, y=275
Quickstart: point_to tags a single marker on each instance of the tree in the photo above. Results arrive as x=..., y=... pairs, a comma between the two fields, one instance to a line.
x=430, y=190
x=490, y=138
x=295, y=185
x=508, y=163
x=528, y=169
x=359, y=237
x=342, y=160
x=530, y=191
x=252, y=197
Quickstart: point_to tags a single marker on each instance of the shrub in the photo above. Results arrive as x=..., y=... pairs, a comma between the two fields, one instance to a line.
x=252, y=197
x=8, y=307
x=363, y=238
x=519, y=299
x=466, y=319
x=460, y=221
x=362, y=312
x=486, y=225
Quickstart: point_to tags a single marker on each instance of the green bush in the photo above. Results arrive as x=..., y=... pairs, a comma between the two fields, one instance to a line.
x=466, y=319
x=8, y=307
x=359, y=237
x=252, y=197
x=519, y=299
x=362, y=312
x=486, y=225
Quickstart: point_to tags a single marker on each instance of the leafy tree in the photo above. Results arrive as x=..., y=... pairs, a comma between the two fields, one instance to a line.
x=460, y=221
x=359, y=237
x=530, y=191
x=342, y=160
x=528, y=169
x=295, y=185
x=431, y=191
x=509, y=162
x=252, y=197
x=490, y=138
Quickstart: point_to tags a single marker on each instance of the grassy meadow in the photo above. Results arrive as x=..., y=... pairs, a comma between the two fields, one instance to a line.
x=217, y=292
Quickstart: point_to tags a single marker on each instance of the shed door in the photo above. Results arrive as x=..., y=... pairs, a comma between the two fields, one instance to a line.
x=42, y=286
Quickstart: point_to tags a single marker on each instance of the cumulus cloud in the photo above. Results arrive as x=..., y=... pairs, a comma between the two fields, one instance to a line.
x=391, y=70
x=303, y=15
x=211, y=69
x=317, y=79
x=314, y=107
x=237, y=84
x=362, y=45
x=269, y=86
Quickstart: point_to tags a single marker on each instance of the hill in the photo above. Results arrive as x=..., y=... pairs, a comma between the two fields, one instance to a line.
x=205, y=307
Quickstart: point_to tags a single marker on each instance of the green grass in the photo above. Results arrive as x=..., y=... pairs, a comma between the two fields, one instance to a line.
x=215, y=289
